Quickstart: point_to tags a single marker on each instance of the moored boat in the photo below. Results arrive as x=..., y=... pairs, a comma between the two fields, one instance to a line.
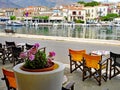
x=14, y=23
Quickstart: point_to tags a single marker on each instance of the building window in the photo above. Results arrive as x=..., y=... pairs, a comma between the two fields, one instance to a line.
x=92, y=10
x=79, y=12
x=74, y=12
x=104, y=9
x=116, y=10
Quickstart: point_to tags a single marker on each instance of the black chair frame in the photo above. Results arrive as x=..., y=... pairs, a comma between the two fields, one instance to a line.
x=114, y=65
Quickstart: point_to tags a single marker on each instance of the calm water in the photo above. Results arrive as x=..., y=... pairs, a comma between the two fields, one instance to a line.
x=91, y=32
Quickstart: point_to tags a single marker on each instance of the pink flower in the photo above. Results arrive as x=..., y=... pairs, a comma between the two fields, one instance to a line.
x=37, y=45
x=31, y=57
x=49, y=62
x=51, y=54
x=33, y=50
x=23, y=55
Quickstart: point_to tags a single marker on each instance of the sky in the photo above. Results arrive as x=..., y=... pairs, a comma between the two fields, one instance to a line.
x=108, y=0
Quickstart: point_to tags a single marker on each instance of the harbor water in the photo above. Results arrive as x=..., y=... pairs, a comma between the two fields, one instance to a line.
x=75, y=31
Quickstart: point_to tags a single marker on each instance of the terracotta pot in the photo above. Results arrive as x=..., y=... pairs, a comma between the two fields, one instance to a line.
x=39, y=70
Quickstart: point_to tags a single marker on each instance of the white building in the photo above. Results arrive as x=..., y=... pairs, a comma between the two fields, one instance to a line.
x=75, y=13
x=93, y=13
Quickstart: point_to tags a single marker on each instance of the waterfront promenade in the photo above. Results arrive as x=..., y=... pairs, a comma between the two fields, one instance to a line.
x=60, y=45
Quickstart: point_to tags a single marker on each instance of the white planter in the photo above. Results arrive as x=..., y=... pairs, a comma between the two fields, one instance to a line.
x=49, y=80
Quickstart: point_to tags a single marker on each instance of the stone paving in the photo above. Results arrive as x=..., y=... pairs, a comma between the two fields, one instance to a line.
x=61, y=48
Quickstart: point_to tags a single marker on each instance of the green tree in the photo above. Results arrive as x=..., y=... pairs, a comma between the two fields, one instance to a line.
x=109, y=17
x=81, y=2
x=93, y=3
x=12, y=17
x=79, y=21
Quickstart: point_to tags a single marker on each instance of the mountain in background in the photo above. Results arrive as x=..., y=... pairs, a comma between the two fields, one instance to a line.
x=26, y=3
x=8, y=4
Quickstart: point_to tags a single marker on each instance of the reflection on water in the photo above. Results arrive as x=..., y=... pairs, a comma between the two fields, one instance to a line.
x=91, y=32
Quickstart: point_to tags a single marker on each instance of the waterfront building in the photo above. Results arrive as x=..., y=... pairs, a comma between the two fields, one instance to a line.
x=93, y=13
x=9, y=12
x=63, y=13
x=76, y=13
x=90, y=14
x=35, y=10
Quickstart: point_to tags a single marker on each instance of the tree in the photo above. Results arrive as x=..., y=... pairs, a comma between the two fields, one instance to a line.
x=109, y=17
x=81, y=2
x=79, y=21
x=92, y=3
x=12, y=17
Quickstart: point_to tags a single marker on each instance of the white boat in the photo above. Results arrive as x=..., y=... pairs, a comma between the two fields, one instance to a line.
x=117, y=24
x=14, y=23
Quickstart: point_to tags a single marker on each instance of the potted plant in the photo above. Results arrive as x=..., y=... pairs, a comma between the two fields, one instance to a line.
x=36, y=60
x=39, y=80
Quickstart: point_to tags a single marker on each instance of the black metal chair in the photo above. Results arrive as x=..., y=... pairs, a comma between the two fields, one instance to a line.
x=9, y=50
x=9, y=46
x=15, y=55
x=114, y=65
x=28, y=46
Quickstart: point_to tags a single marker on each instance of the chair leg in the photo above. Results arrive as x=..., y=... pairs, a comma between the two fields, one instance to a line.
x=106, y=75
x=110, y=69
x=70, y=66
x=99, y=81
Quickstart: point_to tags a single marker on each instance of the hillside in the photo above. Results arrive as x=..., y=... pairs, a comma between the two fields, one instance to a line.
x=26, y=3
x=8, y=4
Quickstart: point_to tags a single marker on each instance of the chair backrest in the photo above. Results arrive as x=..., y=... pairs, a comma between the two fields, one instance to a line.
x=92, y=61
x=1, y=48
x=116, y=58
x=76, y=55
x=28, y=46
x=16, y=51
x=0, y=45
x=9, y=78
x=10, y=44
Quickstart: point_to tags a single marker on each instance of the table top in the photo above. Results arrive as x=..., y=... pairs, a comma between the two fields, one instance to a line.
x=100, y=52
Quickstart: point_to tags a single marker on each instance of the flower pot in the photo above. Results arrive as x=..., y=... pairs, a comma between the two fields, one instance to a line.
x=40, y=70
x=48, y=80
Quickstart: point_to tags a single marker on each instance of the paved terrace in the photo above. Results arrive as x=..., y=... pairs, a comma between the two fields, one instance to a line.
x=60, y=45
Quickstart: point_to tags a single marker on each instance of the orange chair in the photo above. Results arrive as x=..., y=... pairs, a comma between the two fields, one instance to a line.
x=94, y=66
x=9, y=78
x=76, y=57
